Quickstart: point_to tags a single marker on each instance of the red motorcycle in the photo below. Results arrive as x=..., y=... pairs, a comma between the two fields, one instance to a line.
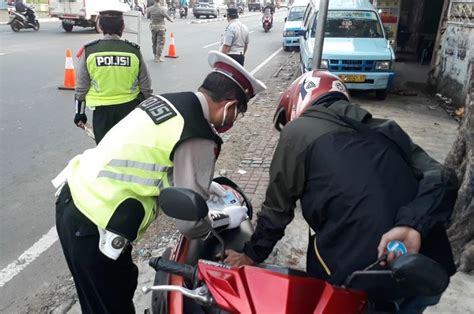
x=267, y=23
x=208, y=286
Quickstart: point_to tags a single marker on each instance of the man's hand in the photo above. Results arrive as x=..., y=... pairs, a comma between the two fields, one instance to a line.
x=80, y=119
x=236, y=259
x=409, y=236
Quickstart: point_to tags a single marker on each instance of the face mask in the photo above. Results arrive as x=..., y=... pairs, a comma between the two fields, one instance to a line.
x=224, y=128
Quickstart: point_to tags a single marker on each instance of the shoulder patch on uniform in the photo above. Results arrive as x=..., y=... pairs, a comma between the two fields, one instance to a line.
x=91, y=43
x=158, y=109
x=132, y=43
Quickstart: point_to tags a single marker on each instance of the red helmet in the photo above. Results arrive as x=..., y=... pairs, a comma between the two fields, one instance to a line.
x=311, y=88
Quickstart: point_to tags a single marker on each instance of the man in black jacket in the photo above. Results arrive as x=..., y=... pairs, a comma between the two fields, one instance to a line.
x=361, y=182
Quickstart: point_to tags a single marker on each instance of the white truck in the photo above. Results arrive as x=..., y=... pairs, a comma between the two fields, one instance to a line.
x=82, y=13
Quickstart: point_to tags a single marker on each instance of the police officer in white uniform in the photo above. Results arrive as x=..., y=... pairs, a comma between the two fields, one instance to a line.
x=235, y=39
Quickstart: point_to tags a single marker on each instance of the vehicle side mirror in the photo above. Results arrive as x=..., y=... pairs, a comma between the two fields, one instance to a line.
x=183, y=204
x=302, y=32
x=286, y=19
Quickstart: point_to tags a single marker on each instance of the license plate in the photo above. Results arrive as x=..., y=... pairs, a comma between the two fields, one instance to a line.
x=353, y=78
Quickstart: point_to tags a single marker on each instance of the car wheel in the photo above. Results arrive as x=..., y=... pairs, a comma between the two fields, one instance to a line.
x=67, y=27
x=381, y=94
x=286, y=48
x=197, y=16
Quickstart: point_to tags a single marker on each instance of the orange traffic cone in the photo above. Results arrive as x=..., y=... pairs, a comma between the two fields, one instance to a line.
x=171, y=48
x=69, y=73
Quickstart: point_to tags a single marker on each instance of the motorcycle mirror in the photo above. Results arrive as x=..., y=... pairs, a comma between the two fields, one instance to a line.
x=420, y=275
x=183, y=204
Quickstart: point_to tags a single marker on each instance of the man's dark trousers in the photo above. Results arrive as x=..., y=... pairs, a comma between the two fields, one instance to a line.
x=240, y=58
x=106, y=117
x=103, y=285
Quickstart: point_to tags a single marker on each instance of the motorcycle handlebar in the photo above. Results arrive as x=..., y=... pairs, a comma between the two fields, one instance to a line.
x=161, y=264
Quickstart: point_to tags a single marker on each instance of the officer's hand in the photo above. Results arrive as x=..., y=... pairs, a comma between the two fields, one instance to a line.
x=409, y=236
x=236, y=259
x=80, y=119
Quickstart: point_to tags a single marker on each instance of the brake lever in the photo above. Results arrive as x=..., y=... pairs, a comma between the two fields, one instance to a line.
x=200, y=294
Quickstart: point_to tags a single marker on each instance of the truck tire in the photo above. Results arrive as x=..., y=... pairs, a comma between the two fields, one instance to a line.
x=97, y=27
x=67, y=27
x=381, y=94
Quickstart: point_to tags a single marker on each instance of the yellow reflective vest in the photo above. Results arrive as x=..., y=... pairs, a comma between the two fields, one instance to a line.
x=113, y=67
x=135, y=159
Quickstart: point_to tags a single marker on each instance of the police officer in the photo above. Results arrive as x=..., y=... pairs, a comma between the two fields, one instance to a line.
x=158, y=14
x=112, y=78
x=110, y=196
x=235, y=39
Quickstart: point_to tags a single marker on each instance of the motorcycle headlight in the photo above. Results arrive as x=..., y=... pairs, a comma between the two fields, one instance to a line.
x=324, y=64
x=383, y=65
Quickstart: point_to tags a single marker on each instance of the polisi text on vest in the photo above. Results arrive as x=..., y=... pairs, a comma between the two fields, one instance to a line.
x=112, y=61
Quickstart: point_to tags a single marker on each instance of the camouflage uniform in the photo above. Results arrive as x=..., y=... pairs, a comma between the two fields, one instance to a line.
x=157, y=14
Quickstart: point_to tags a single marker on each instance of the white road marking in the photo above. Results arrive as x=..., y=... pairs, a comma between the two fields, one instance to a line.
x=207, y=46
x=261, y=65
x=28, y=256
x=2, y=53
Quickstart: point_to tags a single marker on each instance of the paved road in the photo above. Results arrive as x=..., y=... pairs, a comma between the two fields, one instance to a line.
x=37, y=136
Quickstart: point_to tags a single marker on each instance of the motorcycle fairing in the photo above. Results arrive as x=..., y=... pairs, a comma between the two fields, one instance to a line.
x=255, y=290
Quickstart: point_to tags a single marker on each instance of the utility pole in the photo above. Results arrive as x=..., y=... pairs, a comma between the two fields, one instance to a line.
x=319, y=38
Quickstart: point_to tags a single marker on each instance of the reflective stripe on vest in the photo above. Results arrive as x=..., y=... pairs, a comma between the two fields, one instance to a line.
x=133, y=161
x=114, y=78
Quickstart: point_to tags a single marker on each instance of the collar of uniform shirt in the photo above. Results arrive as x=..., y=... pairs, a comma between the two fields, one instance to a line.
x=234, y=20
x=108, y=36
x=204, y=104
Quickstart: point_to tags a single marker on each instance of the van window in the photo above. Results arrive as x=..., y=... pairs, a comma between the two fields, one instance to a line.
x=296, y=14
x=351, y=24
x=307, y=15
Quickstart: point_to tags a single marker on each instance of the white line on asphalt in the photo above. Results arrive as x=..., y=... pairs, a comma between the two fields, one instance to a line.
x=2, y=53
x=28, y=256
x=216, y=43
x=261, y=65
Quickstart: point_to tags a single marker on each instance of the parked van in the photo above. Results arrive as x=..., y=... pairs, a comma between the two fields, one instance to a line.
x=82, y=13
x=293, y=24
x=355, y=45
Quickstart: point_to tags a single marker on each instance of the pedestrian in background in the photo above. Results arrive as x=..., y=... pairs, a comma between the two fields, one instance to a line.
x=235, y=39
x=112, y=78
x=158, y=14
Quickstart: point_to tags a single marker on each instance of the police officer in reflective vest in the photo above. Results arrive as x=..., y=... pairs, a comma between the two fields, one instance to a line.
x=111, y=76
x=109, y=197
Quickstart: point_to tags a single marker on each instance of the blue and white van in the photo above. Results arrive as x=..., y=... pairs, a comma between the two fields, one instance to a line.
x=293, y=24
x=355, y=45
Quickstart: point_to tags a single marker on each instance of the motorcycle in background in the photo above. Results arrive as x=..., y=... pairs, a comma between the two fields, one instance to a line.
x=192, y=280
x=18, y=21
x=183, y=12
x=172, y=11
x=267, y=19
